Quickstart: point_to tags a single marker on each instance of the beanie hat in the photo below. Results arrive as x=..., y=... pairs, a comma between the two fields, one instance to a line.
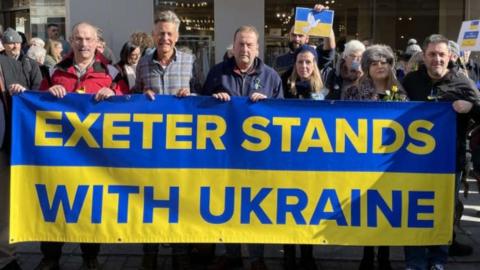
x=11, y=36
x=306, y=48
x=454, y=48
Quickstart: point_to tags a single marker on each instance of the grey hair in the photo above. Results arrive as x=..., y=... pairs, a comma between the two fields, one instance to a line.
x=38, y=41
x=353, y=46
x=37, y=53
x=85, y=23
x=170, y=17
x=434, y=39
x=377, y=53
x=246, y=28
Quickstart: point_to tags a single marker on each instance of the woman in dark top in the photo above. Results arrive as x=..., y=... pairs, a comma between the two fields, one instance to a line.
x=129, y=57
x=377, y=83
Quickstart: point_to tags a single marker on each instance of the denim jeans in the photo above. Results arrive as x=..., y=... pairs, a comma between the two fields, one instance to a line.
x=423, y=257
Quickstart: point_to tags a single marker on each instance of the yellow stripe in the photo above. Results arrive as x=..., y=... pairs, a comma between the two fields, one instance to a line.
x=321, y=30
x=27, y=222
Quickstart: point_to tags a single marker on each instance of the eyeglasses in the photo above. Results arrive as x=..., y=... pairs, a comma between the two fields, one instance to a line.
x=379, y=63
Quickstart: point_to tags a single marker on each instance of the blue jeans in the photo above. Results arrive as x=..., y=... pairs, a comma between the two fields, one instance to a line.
x=422, y=257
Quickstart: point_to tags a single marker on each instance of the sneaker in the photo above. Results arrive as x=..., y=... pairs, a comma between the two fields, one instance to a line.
x=226, y=263
x=437, y=267
x=366, y=264
x=48, y=264
x=460, y=250
x=308, y=264
x=258, y=264
x=13, y=265
x=90, y=264
x=181, y=262
x=149, y=261
x=384, y=265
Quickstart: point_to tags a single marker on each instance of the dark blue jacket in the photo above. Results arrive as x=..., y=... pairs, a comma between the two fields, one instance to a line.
x=223, y=78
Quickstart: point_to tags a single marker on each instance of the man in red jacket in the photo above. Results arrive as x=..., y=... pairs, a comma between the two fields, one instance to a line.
x=83, y=71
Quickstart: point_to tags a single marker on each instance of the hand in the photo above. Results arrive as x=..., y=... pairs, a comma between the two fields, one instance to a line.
x=319, y=7
x=462, y=106
x=57, y=91
x=104, y=93
x=183, y=92
x=257, y=96
x=150, y=94
x=223, y=96
x=16, y=89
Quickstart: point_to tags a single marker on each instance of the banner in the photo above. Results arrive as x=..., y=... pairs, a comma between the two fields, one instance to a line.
x=313, y=23
x=199, y=170
x=468, y=38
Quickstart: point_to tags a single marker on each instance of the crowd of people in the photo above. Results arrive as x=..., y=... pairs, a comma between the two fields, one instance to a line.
x=153, y=65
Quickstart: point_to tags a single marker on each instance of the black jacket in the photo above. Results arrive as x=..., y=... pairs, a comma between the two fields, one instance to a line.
x=12, y=74
x=453, y=86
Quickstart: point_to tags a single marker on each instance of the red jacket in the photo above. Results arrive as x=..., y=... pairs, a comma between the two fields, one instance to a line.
x=99, y=75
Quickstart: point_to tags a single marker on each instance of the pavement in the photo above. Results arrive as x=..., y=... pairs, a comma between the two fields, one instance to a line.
x=129, y=256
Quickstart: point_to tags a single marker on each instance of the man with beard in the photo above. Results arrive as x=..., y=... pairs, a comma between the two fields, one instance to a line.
x=346, y=72
x=435, y=81
x=325, y=51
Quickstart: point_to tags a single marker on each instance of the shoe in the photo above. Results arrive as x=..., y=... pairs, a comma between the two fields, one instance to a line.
x=90, y=264
x=48, y=264
x=258, y=264
x=13, y=265
x=226, y=263
x=384, y=265
x=181, y=262
x=437, y=267
x=289, y=263
x=460, y=250
x=149, y=261
x=308, y=264
x=366, y=264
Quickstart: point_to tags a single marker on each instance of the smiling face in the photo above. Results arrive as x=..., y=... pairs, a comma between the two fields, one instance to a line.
x=379, y=70
x=165, y=35
x=84, y=42
x=436, y=59
x=304, y=65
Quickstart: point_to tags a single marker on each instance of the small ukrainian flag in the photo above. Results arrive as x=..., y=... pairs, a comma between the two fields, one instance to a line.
x=313, y=23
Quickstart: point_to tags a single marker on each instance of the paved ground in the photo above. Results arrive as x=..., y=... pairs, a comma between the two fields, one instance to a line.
x=128, y=257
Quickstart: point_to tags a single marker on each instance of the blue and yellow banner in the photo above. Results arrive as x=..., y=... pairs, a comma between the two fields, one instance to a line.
x=199, y=170
x=313, y=23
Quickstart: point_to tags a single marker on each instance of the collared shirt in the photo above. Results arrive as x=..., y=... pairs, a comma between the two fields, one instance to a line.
x=179, y=73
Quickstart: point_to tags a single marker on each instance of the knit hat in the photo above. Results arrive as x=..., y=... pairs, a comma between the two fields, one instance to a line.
x=11, y=36
x=377, y=53
x=454, y=48
x=306, y=48
x=412, y=49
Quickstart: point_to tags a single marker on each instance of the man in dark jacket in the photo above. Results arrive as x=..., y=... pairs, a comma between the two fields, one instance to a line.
x=12, y=42
x=243, y=75
x=432, y=82
x=10, y=80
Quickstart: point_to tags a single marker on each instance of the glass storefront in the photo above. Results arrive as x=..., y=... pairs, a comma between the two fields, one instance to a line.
x=32, y=16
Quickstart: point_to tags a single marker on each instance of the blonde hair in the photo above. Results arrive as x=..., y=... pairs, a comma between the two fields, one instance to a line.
x=49, y=48
x=316, y=82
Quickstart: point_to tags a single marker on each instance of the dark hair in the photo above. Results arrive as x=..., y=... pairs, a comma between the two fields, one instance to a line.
x=435, y=39
x=52, y=25
x=127, y=48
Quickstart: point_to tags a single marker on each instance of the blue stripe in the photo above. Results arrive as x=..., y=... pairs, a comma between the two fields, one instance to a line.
x=441, y=160
x=325, y=16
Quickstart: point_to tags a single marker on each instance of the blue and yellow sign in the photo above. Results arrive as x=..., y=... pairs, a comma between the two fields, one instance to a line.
x=313, y=23
x=199, y=170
